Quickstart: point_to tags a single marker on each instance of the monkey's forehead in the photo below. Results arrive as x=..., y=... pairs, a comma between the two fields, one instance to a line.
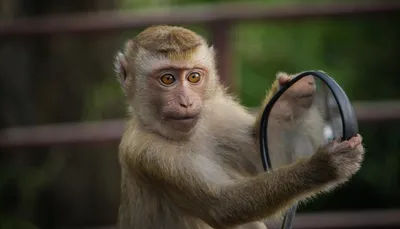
x=202, y=55
x=168, y=39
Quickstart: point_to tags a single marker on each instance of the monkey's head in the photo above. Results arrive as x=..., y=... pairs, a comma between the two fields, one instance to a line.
x=302, y=92
x=296, y=100
x=167, y=73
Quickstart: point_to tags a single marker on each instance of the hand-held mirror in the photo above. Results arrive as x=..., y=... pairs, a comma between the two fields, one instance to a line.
x=312, y=93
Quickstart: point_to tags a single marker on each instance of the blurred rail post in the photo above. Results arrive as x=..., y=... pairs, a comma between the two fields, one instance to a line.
x=221, y=39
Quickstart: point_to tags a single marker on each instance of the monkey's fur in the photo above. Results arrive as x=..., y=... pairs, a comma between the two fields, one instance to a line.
x=203, y=171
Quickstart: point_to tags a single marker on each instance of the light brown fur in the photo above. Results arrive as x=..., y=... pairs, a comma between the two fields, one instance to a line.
x=204, y=173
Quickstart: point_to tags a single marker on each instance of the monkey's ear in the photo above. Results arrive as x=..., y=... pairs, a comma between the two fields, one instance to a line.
x=121, y=66
x=212, y=55
x=212, y=51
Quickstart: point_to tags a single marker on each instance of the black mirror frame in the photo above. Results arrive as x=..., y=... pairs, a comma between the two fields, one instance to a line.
x=349, y=123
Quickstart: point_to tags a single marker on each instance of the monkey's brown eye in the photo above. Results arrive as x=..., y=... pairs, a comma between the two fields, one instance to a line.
x=167, y=79
x=194, y=77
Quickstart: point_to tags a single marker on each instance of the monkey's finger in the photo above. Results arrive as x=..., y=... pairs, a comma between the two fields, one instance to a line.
x=283, y=79
x=361, y=151
x=360, y=148
x=342, y=148
x=353, y=156
x=361, y=138
x=355, y=141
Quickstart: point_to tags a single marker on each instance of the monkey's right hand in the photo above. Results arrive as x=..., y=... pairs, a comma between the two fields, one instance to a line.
x=337, y=161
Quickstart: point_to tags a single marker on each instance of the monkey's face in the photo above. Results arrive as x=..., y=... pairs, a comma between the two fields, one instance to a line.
x=179, y=95
x=296, y=99
x=302, y=92
x=167, y=77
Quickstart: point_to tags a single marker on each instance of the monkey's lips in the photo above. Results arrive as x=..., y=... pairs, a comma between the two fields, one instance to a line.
x=182, y=123
x=302, y=96
x=187, y=118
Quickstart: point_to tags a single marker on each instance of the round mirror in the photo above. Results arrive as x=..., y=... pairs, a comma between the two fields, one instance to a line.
x=304, y=114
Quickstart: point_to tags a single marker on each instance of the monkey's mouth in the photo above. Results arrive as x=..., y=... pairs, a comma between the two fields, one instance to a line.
x=302, y=96
x=183, y=118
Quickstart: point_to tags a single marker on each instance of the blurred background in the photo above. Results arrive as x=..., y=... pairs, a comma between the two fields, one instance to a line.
x=62, y=109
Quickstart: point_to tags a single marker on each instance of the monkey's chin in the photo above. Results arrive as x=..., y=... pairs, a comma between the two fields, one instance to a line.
x=305, y=101
x=182, y=124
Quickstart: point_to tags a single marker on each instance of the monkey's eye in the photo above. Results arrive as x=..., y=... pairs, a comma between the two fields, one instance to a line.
x=194, y=77
x=167, y=79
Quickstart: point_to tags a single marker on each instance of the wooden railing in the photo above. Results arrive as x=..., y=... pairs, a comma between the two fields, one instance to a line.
x=220, y=18
x=193, y=14
x=110, y=131
x=370, y=219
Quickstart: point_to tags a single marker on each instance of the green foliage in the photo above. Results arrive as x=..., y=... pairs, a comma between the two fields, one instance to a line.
x=264, y=49
x=11, y=222
x=25, y=183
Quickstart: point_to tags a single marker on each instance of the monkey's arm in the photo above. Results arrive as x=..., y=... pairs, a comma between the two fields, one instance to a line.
x=198, y=186
x=238, y=129
x=243, y=127
x=270, y=93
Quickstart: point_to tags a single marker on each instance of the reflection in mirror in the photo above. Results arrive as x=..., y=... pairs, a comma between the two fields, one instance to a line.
x=305, y=116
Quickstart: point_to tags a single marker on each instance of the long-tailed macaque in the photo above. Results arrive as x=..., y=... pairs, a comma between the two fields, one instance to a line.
x=189, y=157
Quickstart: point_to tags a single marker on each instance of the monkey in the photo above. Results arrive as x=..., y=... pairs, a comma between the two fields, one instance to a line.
x=188, y=154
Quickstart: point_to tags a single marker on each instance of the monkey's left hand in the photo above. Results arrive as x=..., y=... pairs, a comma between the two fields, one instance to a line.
x=283, y=78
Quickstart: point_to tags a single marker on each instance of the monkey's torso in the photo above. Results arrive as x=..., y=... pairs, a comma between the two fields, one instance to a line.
x=143, y=204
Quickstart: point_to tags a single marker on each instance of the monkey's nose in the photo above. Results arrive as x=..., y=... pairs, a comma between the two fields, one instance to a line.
x=309, y=79
x=185, y=103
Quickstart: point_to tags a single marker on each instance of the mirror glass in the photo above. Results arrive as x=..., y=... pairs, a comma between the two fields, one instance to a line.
x=305, y=116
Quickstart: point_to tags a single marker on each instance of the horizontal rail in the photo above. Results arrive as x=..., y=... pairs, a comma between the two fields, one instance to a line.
x=119, y=20
x=111, y=130
x=354, y=219
x=65, y=133
x=336, y=220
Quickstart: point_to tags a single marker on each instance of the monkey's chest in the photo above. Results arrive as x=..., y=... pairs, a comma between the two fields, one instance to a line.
x=237, y=164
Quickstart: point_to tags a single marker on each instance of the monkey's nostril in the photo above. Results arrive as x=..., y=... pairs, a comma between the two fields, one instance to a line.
x=186, y=104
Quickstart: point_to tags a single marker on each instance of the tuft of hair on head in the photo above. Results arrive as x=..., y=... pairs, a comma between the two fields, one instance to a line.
x=169, y=40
